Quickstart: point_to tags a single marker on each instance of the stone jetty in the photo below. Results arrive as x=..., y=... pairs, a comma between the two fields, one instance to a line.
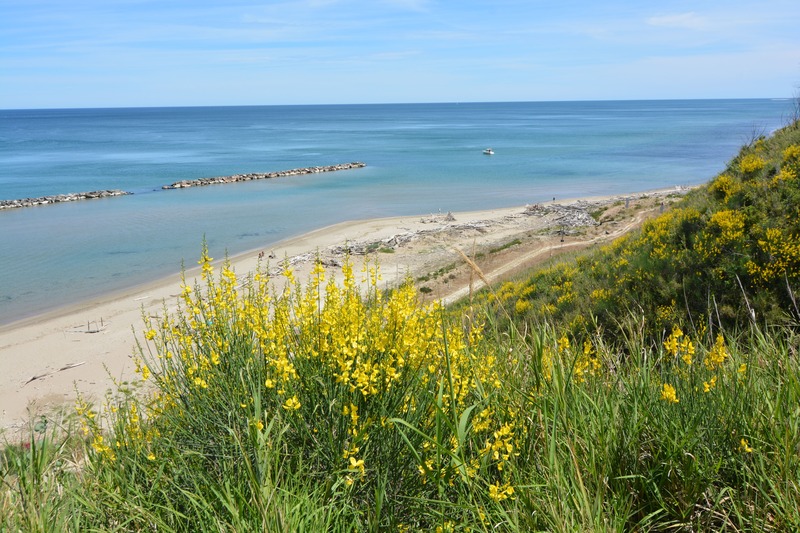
x=59, y=198
x=201, y=182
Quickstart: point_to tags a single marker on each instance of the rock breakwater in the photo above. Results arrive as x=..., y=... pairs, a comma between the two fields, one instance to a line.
x=59, y=198
x=72, y=197
x=201, y=182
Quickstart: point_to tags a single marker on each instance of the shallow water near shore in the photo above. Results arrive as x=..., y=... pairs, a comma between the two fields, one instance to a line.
x=421, y=158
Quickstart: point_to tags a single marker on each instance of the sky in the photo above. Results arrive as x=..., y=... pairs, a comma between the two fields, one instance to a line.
x=131, y=53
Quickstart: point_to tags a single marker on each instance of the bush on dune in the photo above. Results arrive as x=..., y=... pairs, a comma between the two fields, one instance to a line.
x=380, y=402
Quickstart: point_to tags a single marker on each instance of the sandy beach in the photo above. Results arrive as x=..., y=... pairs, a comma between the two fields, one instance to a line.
x=46, y=359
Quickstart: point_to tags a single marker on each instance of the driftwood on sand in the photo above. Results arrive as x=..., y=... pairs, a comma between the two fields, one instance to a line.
x=550, y=218
x=45, y=374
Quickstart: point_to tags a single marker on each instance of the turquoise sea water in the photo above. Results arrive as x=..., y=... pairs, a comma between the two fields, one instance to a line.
x=421, y=158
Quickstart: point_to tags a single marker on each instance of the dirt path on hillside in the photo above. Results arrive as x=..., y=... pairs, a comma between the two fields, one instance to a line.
x=529, y=256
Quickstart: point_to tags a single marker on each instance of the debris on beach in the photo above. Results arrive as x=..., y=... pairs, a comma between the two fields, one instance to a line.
x=572, y=216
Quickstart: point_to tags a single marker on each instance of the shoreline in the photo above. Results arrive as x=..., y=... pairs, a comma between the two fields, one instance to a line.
x=115, y=294
x=50, y=356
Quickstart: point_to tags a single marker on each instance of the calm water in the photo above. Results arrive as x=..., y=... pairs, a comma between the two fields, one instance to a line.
x=421, y=158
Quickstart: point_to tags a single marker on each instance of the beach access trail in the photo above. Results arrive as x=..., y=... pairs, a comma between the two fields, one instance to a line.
x=46, y=360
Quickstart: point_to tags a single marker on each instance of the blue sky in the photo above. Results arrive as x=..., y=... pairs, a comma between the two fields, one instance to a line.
x=78, y=53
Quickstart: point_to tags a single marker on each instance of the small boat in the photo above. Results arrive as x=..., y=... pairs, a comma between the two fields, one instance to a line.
x=488, y=151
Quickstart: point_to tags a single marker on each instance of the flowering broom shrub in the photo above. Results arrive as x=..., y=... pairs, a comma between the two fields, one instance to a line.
x=379, y=399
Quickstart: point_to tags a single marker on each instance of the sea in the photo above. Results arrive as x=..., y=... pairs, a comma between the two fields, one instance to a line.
x=421, y=159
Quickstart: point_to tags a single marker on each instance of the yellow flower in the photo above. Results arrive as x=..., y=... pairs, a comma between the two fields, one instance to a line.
x=672, y=343
x=292, y=404
x=783, y=251
x=205, y=264
x=499, y=493
x=687, y=348
x=744, y=446
x=356, y=465
x=522, y=306
x=352, y=411
x=791, y=153
x=150, y=335
x=709, y=385
x=446, y=528
x=717, y=355
x=724, y=232
x=751, y=163
x=151, y=456
x=726, y=186
x=668, y=393
x=563, y=344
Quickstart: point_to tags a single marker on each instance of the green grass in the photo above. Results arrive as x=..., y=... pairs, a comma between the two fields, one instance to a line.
x=442, y=271
x=597, y=213
x=505, y=246
x=589, y=444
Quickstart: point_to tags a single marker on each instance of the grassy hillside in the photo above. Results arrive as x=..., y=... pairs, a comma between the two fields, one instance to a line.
x=725, y=256
x=650, y=385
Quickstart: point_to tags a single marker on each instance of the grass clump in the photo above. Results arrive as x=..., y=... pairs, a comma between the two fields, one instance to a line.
x=379, y=247
x=440, y=272
x=505, y=246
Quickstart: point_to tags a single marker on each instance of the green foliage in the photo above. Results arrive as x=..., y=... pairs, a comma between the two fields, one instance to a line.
x=499, y=431
x=34, y=475
x=505, y=246
x=728, y=255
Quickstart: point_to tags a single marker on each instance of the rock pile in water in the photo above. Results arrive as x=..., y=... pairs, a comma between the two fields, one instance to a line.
x=183, y=184
x=58, y=198
x=71, y=197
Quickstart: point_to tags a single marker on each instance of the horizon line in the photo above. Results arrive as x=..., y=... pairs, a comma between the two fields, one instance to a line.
x=470, y=102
